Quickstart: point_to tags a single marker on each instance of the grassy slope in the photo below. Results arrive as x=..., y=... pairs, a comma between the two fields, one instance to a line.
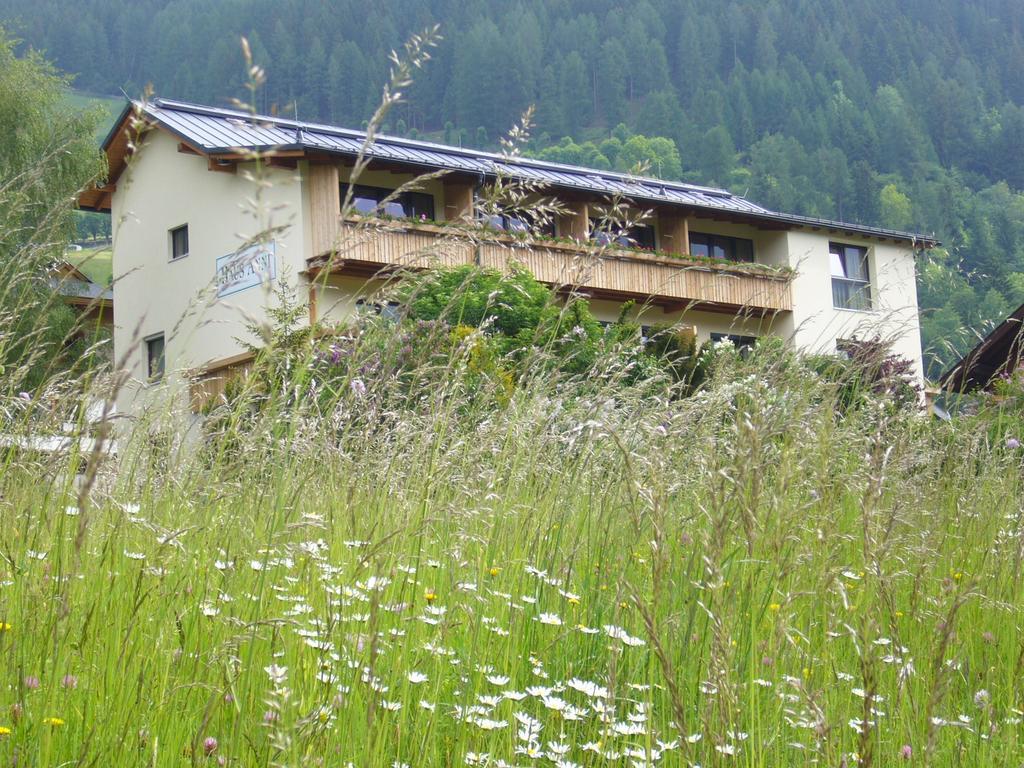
x=96, y=263
x=111, y=105
x=735, y=573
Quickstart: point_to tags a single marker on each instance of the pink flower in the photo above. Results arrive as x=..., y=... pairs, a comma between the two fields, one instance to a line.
x=31, y=682
x=69, y=681
x=210, y=745
x=1012, y=443
x=906, y=752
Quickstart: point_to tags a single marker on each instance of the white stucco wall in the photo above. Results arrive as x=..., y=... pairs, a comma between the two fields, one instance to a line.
x=816, y=325
x=162, y=189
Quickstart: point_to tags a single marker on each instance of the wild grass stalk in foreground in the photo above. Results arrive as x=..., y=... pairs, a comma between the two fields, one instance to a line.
x=428, y=567
x=587, y=576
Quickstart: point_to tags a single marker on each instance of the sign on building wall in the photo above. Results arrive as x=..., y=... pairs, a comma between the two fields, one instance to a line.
x=246, y=269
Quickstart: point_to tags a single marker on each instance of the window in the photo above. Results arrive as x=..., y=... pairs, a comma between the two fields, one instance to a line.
x=179, y=242
x=521, y=223
x=370, y=201
x=637, y=236
x=851, y=284
x=721, y=247
x=389, y=311
x=742, y=343
x=155, y=357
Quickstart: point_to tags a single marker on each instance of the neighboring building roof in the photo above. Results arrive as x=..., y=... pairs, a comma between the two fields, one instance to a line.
x=73, y=284
x=998, y=353
x=214, y=131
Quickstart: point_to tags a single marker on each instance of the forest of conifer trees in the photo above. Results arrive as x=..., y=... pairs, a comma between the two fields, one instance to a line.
x=906, y=114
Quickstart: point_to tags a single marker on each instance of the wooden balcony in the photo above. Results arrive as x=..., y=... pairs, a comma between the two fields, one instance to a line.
x=369, y=248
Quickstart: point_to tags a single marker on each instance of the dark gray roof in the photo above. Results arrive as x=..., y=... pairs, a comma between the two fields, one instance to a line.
x=218, y=131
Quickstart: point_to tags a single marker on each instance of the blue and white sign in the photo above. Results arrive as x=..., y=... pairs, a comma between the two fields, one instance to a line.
x=246, y=269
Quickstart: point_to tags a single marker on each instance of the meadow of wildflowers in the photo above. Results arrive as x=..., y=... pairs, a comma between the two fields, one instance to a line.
x=433, y=567
x=589, y=576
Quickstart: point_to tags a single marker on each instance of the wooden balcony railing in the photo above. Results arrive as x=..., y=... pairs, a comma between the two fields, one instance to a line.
x=370, y=247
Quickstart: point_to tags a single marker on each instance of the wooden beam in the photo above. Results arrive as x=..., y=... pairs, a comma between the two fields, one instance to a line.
x=675, y=233
x=576, y=222
x=291, y=163
x=324, y=206
x=227, y=362
x=312, y=304
x=248, y=156
x=220, y=166
x=458, y=200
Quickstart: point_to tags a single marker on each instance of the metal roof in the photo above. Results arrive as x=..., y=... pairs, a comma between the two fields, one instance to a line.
x=222, y=131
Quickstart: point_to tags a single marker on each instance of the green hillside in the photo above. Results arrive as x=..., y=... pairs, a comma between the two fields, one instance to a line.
x=111, y=106
x=907, y=114
x=95, y=263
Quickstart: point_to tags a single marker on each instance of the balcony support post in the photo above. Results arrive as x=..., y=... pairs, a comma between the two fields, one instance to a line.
x=575, y=223
x=458, y=200
x=324, y=206
x=675, y=233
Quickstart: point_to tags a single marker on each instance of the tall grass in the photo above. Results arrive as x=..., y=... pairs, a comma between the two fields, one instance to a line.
x=589, y=571
x=592, y=577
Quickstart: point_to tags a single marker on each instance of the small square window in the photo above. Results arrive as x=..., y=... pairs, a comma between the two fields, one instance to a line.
x=179, y=242
x=155, y=357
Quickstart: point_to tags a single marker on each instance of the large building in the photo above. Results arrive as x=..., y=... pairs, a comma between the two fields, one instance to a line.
x=186, y=196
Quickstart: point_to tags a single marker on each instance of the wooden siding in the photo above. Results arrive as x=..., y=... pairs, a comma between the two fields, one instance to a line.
x=208, y=385
x=324, y=204
x=609, y=274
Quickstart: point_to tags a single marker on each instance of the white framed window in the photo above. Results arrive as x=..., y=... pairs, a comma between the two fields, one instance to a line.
x=851, y=280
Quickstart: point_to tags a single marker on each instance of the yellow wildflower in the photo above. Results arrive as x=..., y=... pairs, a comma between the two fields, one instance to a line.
x=5, y=731
x=774, y=607
x=54, y=722
x=494, y=571
x=4, y=626
x=430, y=595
